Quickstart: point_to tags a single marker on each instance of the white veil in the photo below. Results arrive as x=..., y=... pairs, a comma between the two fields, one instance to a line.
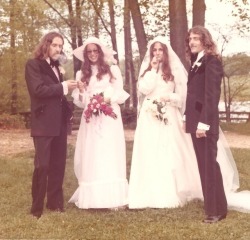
x=239, y=201
x=178, y=70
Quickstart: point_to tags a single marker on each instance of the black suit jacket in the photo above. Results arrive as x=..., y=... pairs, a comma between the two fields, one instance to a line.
x=203, y=94
x=49, y=107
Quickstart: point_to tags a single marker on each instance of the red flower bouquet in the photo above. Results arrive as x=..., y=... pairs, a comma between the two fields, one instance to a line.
x=97, y=106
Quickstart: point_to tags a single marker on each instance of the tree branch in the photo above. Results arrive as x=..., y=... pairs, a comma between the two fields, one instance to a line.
x=55, y=10
x=99, y=15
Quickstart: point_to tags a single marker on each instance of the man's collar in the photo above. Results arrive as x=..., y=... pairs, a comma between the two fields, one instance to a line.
x=200, y=55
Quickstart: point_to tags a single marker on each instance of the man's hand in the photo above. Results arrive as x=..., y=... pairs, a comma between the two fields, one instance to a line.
x=72, y=84
x=200, y=133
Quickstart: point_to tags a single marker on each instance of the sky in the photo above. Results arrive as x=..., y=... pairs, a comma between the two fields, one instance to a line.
x=220, y=14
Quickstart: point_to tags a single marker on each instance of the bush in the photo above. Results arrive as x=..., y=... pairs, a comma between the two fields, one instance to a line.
x=8, y=121
x=129, y=117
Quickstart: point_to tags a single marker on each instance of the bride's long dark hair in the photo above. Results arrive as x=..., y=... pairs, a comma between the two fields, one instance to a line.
x=102, y=66
x=166, y=70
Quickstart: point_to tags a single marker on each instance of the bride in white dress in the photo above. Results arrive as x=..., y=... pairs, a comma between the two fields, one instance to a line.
x=100, y=156
x=164, y=171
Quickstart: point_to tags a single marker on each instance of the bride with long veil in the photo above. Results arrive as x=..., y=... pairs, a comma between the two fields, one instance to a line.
x=164, y=171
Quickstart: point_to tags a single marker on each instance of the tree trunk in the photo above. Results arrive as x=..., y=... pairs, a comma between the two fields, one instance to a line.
x=13, y=102
x=78, y=40
x=178, y=28
x=112, y=26
x=199, y=9
x=73, y=34
x=139, y=28
x=98, y=9
x=130, y=79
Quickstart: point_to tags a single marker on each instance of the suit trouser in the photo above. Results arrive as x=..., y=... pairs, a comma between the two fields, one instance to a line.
x=48, y=175
x=215, y=202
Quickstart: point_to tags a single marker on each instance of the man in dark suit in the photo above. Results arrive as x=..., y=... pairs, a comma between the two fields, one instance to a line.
x=202, y=118
x=50, y=112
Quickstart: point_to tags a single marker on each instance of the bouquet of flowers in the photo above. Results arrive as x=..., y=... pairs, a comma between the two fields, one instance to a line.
x=97, y=106
x=158, y=109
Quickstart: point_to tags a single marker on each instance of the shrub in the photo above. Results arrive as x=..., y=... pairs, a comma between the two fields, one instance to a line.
x=8, y=121
x=129, y=117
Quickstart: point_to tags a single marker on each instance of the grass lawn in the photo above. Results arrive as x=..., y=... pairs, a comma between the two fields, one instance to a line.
x=151, y=224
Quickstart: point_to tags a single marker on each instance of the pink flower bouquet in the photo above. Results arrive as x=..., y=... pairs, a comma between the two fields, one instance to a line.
x=98, y=106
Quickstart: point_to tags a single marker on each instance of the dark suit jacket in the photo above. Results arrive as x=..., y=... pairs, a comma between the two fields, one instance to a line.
x=49, y=107
x=203, y=94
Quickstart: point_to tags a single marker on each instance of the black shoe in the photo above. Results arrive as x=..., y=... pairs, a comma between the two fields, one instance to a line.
x=214, y=219
x=57, y=209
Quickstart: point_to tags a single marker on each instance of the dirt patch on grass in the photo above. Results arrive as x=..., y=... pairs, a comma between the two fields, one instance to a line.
x=16, y=141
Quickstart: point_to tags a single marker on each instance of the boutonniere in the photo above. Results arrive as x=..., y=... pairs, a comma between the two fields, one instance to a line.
x=61, y=70
x=195, y=66
x=198, y=64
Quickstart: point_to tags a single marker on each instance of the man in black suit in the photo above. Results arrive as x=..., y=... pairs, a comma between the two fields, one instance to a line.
x=50, y=113
x=202, y=118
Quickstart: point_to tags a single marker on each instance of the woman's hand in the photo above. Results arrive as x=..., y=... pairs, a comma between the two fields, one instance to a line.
x=82, y=86
x=155, y=63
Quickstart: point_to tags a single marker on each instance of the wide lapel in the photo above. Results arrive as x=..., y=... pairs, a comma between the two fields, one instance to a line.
x=47, y=68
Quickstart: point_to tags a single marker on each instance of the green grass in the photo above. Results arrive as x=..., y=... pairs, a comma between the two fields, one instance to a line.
x=151, y=224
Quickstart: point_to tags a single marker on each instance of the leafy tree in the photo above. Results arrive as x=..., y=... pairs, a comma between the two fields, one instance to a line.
x=21, y=26
x=235, y=80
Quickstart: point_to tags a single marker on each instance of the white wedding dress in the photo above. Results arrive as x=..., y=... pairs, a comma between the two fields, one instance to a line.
x=164, y=171
x=100, y=155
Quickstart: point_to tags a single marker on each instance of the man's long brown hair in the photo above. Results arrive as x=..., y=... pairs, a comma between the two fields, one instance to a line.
x=206, y=40
x=102, y=66
x=42, y=49
x=166, y=70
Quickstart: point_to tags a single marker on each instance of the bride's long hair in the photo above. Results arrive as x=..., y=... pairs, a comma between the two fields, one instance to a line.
x=102, y=66
x=165, y=66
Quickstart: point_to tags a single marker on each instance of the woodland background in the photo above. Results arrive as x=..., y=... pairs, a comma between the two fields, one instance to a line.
x=24, y=22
